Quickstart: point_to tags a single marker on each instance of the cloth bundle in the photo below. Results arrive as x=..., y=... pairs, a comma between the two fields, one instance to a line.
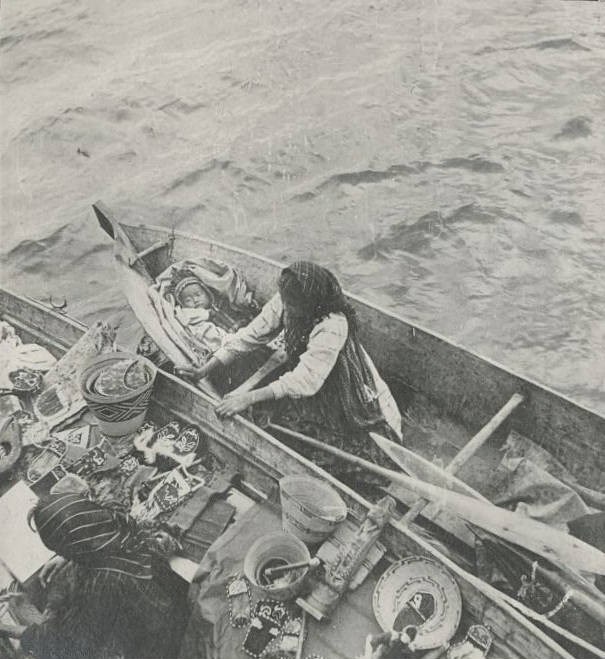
x=177, y=323
x=530, y=481
x=14, y=355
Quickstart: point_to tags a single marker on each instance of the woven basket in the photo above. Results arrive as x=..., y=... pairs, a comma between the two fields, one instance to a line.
x=123, y=414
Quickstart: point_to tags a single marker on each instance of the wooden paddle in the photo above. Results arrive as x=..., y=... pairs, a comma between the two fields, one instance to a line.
x=535, y=536
x=419, y=467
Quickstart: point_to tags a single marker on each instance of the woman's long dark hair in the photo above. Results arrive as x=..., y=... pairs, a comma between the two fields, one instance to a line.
x=318, y=290
x=350, y=385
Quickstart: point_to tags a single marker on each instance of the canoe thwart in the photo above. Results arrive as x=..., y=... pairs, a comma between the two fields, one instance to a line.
x=278, y=358
x=463, y=456
x=477, y=441
x=150, y=250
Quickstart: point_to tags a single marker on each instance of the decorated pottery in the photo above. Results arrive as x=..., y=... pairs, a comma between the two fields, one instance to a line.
x=419, y=591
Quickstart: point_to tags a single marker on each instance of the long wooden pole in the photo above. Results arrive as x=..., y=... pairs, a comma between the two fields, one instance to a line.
x=468, y=450
x=535, y=536
x=484, y=434
x=415, y=465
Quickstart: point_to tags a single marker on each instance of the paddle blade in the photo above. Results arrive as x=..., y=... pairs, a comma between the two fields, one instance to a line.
x=421, y=468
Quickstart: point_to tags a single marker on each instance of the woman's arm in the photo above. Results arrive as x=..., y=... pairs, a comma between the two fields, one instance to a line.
x=236, y=403
x=306, y=379
x=258, y=332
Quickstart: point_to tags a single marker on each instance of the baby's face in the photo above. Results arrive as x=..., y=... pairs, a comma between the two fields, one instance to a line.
x=193, y=296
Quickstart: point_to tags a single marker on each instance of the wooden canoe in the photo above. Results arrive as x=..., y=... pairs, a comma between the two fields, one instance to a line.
x=432, y=377
x=150, y=249
x=262, y=460
x=446, y=392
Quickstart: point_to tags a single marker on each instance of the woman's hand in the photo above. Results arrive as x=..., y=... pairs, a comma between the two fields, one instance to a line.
x=193, y=372
x=50, y=568
x=199, y=372
x=235, y=403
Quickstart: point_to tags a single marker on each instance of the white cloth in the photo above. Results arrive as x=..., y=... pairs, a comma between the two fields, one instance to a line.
x=326, y=340
x=203, y=329
x=14, y=355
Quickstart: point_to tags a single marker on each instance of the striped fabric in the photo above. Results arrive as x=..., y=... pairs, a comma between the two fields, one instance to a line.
x=92, y=536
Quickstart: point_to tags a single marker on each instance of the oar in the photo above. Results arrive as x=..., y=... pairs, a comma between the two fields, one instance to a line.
x=419, y=467
x=537, y=537
x=404, y=456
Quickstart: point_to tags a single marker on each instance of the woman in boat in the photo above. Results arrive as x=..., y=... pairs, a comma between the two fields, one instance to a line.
x=330, y=382
x=112, y=593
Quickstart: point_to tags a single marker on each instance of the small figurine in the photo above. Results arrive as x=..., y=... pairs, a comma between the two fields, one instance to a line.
x=325, y=596
x=475, y=645
x=392, y=645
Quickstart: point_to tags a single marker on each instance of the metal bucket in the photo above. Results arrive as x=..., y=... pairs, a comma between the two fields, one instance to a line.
x=274, y=549
x=311, y=509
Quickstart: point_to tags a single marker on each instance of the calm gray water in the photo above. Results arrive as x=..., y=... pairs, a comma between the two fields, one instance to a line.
x=446, y=158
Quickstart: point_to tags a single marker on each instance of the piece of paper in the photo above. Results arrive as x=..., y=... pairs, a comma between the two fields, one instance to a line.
x=183, y=567
x=21, y=549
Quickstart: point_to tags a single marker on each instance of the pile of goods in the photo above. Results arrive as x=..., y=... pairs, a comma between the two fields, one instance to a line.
x=274, y=594
x=22, y=367
x=164, y=476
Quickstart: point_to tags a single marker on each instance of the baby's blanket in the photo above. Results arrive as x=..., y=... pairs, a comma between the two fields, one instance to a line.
x=197, y=338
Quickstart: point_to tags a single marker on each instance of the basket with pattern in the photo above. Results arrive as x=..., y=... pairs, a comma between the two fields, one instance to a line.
x=117, y=387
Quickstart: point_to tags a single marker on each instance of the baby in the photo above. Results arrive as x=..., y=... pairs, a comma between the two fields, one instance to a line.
x=195, y=310
x=192, y=294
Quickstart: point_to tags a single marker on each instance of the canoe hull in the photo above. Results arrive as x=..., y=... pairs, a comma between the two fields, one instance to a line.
x=465, y=387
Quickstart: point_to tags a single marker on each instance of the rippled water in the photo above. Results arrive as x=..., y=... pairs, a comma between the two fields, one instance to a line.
x=446, y=158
